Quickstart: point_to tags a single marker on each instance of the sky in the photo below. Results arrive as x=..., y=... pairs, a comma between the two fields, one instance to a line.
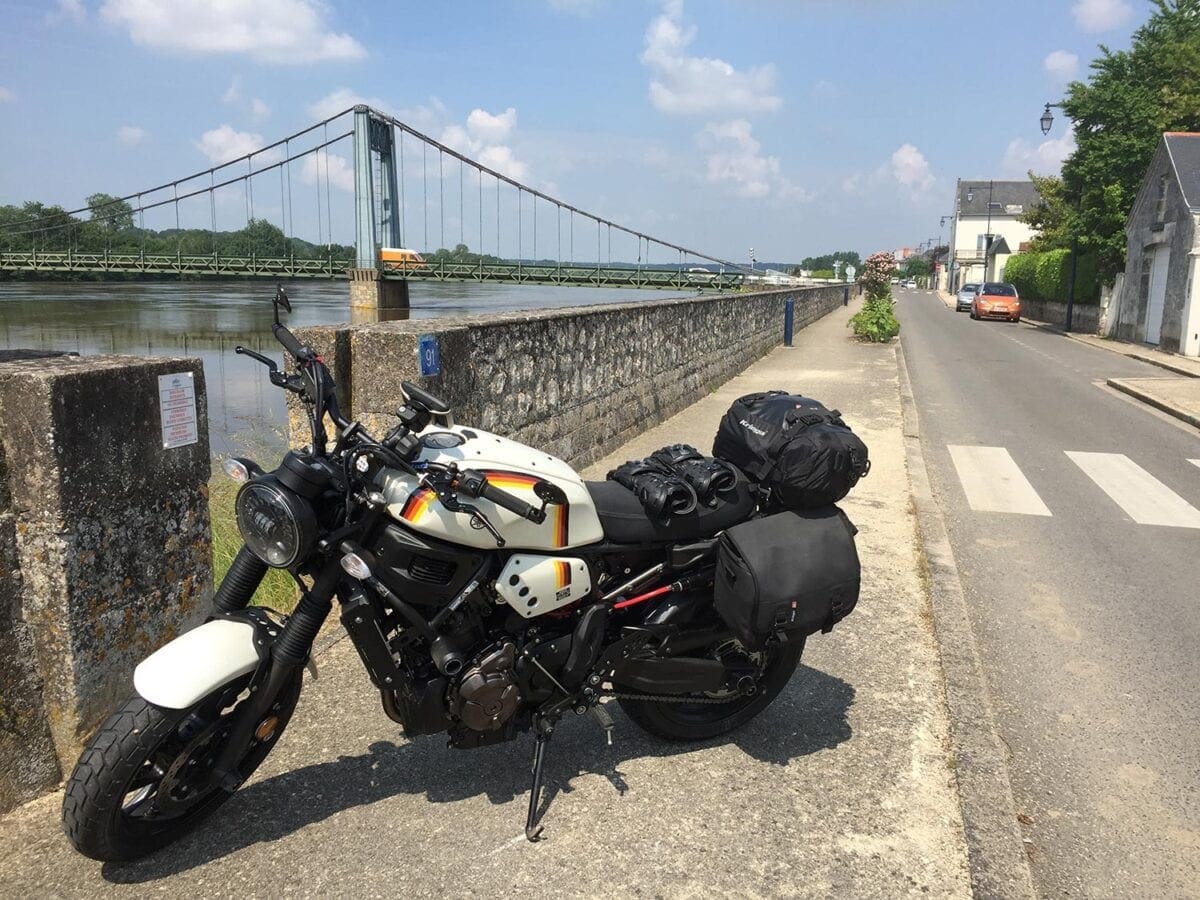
x=793, y=127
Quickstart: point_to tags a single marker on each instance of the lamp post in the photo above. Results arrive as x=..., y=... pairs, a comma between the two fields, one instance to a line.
x=1046, y=122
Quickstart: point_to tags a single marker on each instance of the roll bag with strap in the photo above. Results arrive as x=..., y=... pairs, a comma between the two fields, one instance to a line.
x=803, y=452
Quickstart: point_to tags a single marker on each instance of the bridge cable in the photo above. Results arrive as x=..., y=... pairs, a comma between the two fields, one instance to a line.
x=212, y=209
x=425, y=197
x=461, y=224
x=328, y=196
x=442, y=199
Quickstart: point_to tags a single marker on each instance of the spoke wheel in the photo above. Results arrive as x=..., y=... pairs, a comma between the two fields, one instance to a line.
x=146, y=777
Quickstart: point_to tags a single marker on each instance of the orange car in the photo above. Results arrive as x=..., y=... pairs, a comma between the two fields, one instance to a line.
x=996, y=300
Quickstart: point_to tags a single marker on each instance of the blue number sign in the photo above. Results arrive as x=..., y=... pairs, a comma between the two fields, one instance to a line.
x=431, y=357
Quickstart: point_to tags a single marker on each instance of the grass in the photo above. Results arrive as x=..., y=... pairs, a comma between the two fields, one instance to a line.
x=277, y=590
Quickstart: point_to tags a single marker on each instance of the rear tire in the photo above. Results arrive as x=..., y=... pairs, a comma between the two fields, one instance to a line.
x=700, y=721
x=111, y=808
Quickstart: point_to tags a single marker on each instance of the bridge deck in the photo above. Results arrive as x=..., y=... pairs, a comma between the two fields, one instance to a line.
x=294, y=267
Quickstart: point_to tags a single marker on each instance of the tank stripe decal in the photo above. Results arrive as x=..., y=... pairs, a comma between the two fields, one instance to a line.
x=562, y=528
x=417, y=505
x=511, y=479
x=562, y=574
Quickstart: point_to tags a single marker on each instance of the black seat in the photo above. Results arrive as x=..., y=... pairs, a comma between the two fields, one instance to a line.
x=625, y=521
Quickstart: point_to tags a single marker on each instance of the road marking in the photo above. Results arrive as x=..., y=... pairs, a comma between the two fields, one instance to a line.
x=1194, y=462
x=1144, y=498
x=994, y=483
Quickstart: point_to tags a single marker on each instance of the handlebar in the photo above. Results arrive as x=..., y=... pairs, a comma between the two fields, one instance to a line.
x=290, y=342
x=475, y=484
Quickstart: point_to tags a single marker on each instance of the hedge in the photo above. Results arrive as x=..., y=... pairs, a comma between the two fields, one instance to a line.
x=1045, y=276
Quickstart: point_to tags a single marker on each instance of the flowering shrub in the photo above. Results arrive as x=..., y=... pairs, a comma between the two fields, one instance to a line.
x=876, y=321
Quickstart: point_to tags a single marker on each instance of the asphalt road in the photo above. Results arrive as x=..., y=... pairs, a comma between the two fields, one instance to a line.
x=1087, y=612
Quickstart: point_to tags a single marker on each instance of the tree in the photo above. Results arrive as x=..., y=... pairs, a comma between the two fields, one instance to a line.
x=113, y=214
x=916, y=267
x=846, y=257
x=1120, y=113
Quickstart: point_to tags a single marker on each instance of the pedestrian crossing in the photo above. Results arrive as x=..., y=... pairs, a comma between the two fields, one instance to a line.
x=993, y=482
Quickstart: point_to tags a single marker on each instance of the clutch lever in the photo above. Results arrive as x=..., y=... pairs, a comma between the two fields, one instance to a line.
x=265, y=360
x=453, y=504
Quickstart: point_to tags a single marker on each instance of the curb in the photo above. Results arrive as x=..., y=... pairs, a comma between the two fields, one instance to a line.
x=996, y=856
x=1081, y=339
x=1151, y=400
x=1178, y=370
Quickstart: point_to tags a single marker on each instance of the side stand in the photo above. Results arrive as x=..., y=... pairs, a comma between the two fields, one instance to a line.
x=533, y=832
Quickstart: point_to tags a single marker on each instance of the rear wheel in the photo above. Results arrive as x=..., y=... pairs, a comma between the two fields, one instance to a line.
x=144, y=780
x=682, y=721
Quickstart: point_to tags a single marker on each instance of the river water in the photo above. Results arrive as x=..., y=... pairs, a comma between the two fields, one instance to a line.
x=208, y=319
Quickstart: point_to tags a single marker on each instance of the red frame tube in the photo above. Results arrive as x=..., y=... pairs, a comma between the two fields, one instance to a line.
x=657, y=592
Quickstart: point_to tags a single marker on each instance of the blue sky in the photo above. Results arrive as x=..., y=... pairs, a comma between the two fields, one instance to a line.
x=792, y=126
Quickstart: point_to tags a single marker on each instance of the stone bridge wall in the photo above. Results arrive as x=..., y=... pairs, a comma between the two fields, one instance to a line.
x=104, y=548
x=576, y=382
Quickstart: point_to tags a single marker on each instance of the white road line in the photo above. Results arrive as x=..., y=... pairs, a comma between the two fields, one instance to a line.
x=994, y=483
x=1144, y=498
x=1194, y=462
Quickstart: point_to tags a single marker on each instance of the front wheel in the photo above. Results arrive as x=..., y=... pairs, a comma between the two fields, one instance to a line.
x=682, y=721
x=144, y=778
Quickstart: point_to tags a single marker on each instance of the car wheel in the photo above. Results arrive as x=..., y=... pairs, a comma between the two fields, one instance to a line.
x=973, y=316
x=1016, y=319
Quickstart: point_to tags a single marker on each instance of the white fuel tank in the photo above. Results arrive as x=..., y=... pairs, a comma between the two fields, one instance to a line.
x=509, y=465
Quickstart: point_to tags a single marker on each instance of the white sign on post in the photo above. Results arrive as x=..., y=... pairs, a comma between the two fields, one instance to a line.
x=177, y=406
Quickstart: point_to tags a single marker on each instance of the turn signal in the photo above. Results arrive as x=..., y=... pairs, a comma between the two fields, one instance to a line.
x=236, y=469
x=266, y=729
x=356, y=567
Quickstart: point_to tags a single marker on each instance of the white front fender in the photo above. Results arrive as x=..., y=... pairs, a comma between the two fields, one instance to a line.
x=195, y=664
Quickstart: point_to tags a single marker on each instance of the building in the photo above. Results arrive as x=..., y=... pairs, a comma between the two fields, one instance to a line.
x=1158, y=303
x=985, y=231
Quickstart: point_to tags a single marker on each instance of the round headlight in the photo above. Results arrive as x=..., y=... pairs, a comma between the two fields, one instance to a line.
x=276, y=525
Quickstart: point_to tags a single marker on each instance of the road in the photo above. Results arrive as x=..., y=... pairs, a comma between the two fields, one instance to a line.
x=1074, y=516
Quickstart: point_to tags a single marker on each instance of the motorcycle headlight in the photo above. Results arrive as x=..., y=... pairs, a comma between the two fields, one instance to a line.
x=278, y=526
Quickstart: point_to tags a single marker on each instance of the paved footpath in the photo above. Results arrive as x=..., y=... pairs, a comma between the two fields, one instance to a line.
x=844, y=787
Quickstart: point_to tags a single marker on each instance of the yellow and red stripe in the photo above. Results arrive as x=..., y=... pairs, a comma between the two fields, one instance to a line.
x=417, y=505
x=562, y=574
x=511, y=479
x=560, y=520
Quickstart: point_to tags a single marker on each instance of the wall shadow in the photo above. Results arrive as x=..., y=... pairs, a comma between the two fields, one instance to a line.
x=810, y=715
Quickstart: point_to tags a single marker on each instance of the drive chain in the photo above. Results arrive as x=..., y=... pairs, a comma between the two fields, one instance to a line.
x=666, y=698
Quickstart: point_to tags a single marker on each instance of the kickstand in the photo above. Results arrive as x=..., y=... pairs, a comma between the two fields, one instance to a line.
x=544, y=730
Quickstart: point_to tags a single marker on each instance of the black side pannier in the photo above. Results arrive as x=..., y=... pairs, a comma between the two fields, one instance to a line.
x=803, y=452
x=795, y=572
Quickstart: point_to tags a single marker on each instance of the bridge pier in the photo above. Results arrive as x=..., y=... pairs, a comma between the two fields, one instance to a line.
x=368, y=290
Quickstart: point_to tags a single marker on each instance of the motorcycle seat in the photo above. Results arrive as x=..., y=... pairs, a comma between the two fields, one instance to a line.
x=625, y=520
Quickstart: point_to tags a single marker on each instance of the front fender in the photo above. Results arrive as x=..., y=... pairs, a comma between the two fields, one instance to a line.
x=195, y=664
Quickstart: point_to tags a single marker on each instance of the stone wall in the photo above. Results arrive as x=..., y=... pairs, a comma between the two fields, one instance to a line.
x=575, y=382
x=105, y=551
x=1085, y=317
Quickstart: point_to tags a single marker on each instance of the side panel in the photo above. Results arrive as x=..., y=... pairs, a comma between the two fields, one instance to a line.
x=178, y=674
x=533, y=584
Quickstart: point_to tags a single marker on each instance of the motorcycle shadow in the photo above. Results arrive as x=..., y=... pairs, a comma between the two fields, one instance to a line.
x=810, y=715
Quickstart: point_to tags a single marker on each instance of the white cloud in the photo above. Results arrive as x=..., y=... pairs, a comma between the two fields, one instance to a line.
x=67, y=11
x=581, y=8
x=259, y=110
x=341, y=100
x=317, y=165
x=1101, y=15
x=689, y=85
x=233, y=93
x=734, y=156
x=1045, y=158
x=224, y=143
x=131, y=134
x=6, y=96
x=484, y=138
x=1061, y=65
x=281, y=32
x=910, y=169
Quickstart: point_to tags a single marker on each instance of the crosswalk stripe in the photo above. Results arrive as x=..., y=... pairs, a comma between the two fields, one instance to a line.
x=993, y=482
x=1144, y=498
x=1195, y=462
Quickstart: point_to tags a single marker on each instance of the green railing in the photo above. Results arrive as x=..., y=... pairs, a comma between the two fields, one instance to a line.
x=215, y=265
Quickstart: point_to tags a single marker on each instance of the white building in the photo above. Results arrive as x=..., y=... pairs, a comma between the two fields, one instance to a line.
x=986, y=231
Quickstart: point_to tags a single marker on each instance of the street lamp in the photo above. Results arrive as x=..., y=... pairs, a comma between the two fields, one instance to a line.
x=1046, y=121
x=750, y=253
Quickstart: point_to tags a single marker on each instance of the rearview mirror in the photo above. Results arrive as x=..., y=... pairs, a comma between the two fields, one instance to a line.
x=550, y=493
x=280, y=299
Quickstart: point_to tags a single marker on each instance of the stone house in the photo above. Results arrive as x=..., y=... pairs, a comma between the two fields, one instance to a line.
x=983, y=209
x=1159, y=303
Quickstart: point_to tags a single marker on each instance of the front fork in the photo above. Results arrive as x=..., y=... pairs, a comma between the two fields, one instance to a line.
x=288, y=652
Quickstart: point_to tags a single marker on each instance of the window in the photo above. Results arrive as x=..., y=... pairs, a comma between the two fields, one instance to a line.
x=997, y=289
x=1160, y=212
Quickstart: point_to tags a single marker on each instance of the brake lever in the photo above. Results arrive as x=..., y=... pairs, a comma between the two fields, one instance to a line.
x=453, y=504
x=265, y=360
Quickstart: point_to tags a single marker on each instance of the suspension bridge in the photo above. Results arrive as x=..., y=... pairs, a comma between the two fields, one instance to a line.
x=411, y=194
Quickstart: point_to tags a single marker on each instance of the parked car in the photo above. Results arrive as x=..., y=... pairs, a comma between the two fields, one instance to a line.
x=997, y=300
x=910, y=283
x=966, y=297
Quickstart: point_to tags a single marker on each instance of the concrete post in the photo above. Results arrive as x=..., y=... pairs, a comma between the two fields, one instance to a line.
x=106, y=468
x=369, y=290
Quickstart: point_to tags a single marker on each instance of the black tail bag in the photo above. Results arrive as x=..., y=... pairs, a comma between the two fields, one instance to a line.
x=796, y=572
x=804, y=453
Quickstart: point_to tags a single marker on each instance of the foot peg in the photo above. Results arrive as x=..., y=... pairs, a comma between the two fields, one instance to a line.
x=604, y=720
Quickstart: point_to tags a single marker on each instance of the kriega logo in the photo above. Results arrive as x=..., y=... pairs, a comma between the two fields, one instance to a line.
x=760, y=432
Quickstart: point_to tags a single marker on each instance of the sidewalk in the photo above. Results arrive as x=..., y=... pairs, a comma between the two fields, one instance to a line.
x=845, y=786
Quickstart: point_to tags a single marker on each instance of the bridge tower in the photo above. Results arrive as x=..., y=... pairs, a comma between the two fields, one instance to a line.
x=373, y=138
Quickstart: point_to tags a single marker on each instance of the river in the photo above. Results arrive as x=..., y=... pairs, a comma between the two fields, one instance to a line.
x=207, y=319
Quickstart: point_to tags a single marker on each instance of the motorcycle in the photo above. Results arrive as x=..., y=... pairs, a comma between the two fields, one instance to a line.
x=487, y=588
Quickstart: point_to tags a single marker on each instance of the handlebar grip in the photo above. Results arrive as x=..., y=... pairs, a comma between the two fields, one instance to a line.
x=512, y=503
x=289, y=342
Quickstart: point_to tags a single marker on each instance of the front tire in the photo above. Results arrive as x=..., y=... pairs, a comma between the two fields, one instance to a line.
x=140, y=783
x=685, y=722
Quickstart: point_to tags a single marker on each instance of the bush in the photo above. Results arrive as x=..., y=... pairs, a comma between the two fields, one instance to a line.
x=1047, y=275
x=822, y=273
x=876, y=321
